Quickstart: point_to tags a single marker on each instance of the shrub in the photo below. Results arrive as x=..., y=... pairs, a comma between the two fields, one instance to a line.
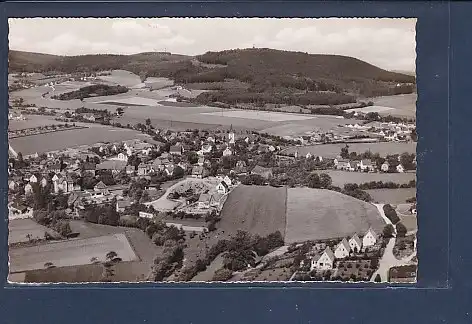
x=401, y=230
x=222, y=274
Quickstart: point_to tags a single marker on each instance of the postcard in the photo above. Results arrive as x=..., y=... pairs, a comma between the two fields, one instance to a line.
x=212, y=150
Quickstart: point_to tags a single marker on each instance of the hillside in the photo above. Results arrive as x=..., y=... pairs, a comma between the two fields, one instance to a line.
x=252, y=76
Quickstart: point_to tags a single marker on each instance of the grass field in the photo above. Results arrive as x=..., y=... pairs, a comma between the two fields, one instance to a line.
x=403, y=105
x=340, y=178
x=18, y=229
x=255, y=209
x=69, y=253
x=334, y=150
x=392, y=196
x=61, y=140
x=262, y=115
x=322, y=214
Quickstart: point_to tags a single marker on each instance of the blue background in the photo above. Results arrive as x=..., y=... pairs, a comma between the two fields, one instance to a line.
x=442, y=294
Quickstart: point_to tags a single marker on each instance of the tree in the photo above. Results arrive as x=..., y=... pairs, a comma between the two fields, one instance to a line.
x=314, y=181
x=388, y=231
x=148, y=122
x=222, y=275
x=325, y=180
x=401, y=230
x=119, y=111
x=345, y=152
x=110, y=256
x=377, y=278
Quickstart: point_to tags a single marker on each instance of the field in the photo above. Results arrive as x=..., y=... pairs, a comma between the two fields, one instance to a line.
x=61, y=140
x=322, y=214
x=334, y=150
x=121, y=77
x=255, y=209
x=403, y=105
x=392, y=196
x=369, y=109
x=32, y=121
x=18, y=229
x=340, y=178
x=69, y=253
x=261, y=115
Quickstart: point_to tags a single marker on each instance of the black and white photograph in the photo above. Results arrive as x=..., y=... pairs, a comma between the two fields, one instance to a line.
x=212, y=150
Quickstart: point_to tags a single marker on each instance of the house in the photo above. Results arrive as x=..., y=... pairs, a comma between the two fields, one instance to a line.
x=176, y=149
x=308, y=155
x=346, y=165
x=169, y=170
x=89, y=167
x=115, y=166
x=222, y=188
x=28, y=189
x=200, y=161
x=206, y=148
x=324, y=262
x=55, y=168
x=33, y=179
x=355, y=243
x=122, y=204
x=158, y=164
x=198, y=172
x=215, y=200
x=44, y=182
x=204, y=201
x=227, y=180
x=100, y=187
x=413, y=209
x=144, y=169
x=385, y=167
x=342, y=249
x=240, y=168
x=227, y=152
x=266, y=173
x=12, y=185
x=403, y=274
x=366, y=165
x=122, y=157
x=130, y=169
x=400, y=168
x=370, y=238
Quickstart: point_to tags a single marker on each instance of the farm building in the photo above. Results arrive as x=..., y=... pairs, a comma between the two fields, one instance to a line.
x=222, y=188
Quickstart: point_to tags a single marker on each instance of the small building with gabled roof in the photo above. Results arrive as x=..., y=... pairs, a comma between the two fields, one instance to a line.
x=370, y=238
x=355, y=243
x=342, y=249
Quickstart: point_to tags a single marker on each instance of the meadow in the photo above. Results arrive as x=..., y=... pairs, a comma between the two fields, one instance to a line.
x=392, y=196
x=314, y=214
x=22, y=230
x=70, y=252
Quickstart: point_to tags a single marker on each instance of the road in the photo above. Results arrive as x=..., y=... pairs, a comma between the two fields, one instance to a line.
x=388, y=261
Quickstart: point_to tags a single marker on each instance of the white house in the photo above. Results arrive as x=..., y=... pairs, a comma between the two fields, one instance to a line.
x=33, y=179
x=227, y=180
x=355, y=243
x=325, y=261
x=400, y=168
x=227, y=152
x=122, y=157
x=370, y=238
x=385, y=167
x=366, y=165
x=28, y=189
x=222, y=188
x=342, y=249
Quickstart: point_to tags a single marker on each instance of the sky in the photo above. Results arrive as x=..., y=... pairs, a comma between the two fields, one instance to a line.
x=387, y=43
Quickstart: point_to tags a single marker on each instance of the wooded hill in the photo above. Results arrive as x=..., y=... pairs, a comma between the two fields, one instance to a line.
x=250, y=75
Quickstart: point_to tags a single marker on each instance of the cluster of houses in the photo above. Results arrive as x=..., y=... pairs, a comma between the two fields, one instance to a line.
x=366, y=165
x=325, y=261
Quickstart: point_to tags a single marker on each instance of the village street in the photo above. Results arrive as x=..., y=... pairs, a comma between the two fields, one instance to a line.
x=388, y=261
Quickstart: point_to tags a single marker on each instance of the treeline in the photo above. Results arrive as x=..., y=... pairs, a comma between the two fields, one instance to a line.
x=91, y=91
x=239, y=251
x=271, y=97
x=385, y=185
